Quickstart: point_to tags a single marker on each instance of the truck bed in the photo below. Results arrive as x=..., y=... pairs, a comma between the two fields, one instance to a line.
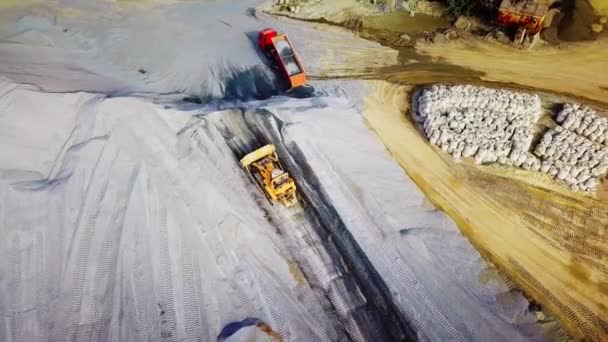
x=290, y=61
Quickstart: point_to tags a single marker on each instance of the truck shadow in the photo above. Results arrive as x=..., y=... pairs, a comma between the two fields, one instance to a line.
x=257, y=82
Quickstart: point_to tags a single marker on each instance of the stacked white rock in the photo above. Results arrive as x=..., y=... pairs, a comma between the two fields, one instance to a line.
x=572, y=158
x=442, y=98
x=491, y=125
x=584, y=121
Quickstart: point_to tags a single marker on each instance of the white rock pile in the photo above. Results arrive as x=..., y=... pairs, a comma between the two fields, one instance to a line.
x=490, y=125
x=584, y=121
x=568, y=155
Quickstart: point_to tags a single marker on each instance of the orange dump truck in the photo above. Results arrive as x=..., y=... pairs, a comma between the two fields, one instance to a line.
x=279, y=50
x=526, y=15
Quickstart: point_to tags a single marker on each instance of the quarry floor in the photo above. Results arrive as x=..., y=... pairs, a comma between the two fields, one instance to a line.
x=119, y=197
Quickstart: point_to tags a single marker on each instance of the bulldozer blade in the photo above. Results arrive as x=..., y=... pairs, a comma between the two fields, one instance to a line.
x=257, y=155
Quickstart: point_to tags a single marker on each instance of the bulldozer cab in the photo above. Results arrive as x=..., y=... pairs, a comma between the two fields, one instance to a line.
x=280, y=181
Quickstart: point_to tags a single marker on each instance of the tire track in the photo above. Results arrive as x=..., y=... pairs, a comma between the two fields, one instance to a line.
x=109, y=253
x=41, y=287
x=16, y=290
x=205, y=326
x=180, y=183
x=192, y=321
x=167, y=306
x=56, y=239
x=143, y=282
x=143, y=320
x=88, y=215
x=231, y=269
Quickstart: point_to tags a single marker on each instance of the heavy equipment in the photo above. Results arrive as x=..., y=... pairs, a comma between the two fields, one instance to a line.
x=279, y=50
x=265, y=170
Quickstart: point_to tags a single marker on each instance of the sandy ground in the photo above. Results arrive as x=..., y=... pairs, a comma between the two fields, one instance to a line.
x=552, y=242
x=127, y=217
x=578, y=69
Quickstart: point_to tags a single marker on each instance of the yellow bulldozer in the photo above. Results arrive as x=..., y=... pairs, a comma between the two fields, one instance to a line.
x=265, y=170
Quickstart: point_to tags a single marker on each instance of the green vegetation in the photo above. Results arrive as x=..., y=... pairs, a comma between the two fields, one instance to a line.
x=456, y=8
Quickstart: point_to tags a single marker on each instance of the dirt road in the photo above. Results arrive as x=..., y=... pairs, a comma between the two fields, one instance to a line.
x=577, y=69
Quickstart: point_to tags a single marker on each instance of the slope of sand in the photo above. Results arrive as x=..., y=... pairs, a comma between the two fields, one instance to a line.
x=148, y=229
x=553, y=243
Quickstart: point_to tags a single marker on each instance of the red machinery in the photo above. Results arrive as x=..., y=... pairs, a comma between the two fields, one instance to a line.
x=279, y=50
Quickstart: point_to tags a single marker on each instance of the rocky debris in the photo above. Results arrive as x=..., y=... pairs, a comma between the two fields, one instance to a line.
x=292, y=6
x=502, y=37
x=405, y=37
x=432, y=8
x=471, y=24
x=597, y=28
x=451, y=34
x=584, y=121
x=488, y=124
x=573, y=159
x=439, y=38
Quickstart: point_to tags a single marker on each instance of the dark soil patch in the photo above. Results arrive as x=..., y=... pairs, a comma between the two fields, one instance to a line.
x=576, y=23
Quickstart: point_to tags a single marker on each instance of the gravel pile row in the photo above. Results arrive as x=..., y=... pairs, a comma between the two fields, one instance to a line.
x=496, y=126
x=442, y=98
x=584, y=121
x=487, y=124
x=572, y=158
